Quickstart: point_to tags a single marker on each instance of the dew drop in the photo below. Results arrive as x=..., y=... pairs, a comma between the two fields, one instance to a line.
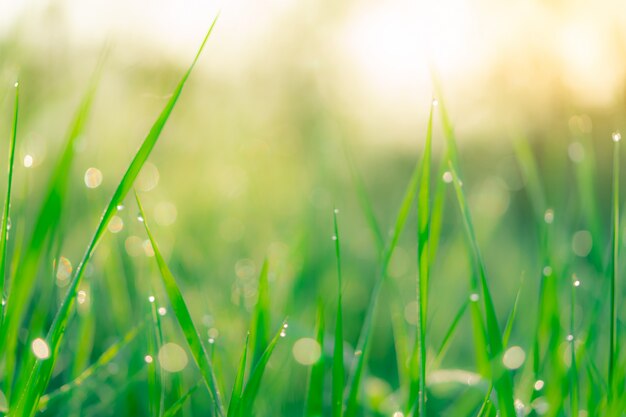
x=547, y=271
x=539, y=385
x=28, y=161
x=40, y=348
x=64, y=270
x=120, y=207
x=140, y=218
x=162, y=311
x=435, y=102
x=577, y=283
x=151, y=298
x=148, y=359
x=570, y=337
x=336, y=211
x=283, y=333
x=17, y=84
x=447, y=177
x=211, y=340
x=474, y=297
x=358, y=353
x=334, y=237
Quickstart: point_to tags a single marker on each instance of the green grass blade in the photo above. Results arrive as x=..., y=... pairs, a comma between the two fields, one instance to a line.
x=7, y=203
x=156, y=387
x=42, y=371
x=251, y=390
x=574, y=386
x=261, y=321
x=49, y=216
x=235, y=398
x=178, y=405
x=107, y=357
x=338, y=366
x=418, y=375
x=613, y=342
x=315, y=390
x=445, y=343
x=501, y=377
x=366, y=330
x=183, y=317
x=508, y=328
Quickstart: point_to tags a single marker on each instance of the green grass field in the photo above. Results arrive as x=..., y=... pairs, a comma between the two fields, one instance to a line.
x=202, y=269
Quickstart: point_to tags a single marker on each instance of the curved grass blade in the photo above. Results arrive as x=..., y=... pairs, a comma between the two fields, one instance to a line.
x=183, y=317
x=315, y=390
x=338, y=367
x=178, y=405
x=261, y=321
x=508, y=328
x=7, y=203
x=40, y=374
x=574, y=387
x=254, y=381
x=501, y=378
x=156, y=388
x=235, y=398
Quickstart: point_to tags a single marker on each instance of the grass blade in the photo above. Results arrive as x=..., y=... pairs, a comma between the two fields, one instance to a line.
x=235, y=398
x=254, y=382
x=501, y=377
x=445, y=343
x=261, y=321
x=183, y=317
x=613, y=343
x=7, y=203
x=178, y=405
x=338, y=367
x=418, y=374
x=315, y=390
x=40, y=375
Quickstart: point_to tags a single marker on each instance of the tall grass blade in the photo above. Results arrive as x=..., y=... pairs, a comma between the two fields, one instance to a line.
x=315, y=389
x=251, y=389
x=4, y=227
x=445, y=343
x=418, y=382
x=261, y=321
x=42, y=371
x=613, y=343
x=501, y=378
x=338, y=366
x=235, y=398
x=183, y=317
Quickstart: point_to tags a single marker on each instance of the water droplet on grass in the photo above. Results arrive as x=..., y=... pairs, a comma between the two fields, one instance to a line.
x=162, y=311
x=435, y=102
x=148, y=359
x=474, y=297
x=151, y=298
x=447, y=177
x=547, y=271
x=539, y=385
x=120, y=207
x=81, y=297
x=140, y=218
x=40, y=348
x=570, y=337
x=28, y=161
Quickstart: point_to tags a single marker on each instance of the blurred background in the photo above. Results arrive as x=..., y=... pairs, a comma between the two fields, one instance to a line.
x=253, y=159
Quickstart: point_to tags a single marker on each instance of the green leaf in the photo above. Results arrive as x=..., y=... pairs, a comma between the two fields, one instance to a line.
x=235, y=398
x=315, y=390
x=261, y=321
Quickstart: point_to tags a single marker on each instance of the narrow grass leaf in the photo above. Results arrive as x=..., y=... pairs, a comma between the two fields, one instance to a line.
x=40, y=374
x=260, y=323
x=251, y=389
x=315, y=389
x=613, y=342
x=235, y=398
x=183, y=317
x=338, y=366
x=7, y=203
x=178, y=405
x=445, y=343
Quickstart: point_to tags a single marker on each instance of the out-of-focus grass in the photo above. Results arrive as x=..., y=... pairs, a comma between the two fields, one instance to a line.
x=232, y=186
